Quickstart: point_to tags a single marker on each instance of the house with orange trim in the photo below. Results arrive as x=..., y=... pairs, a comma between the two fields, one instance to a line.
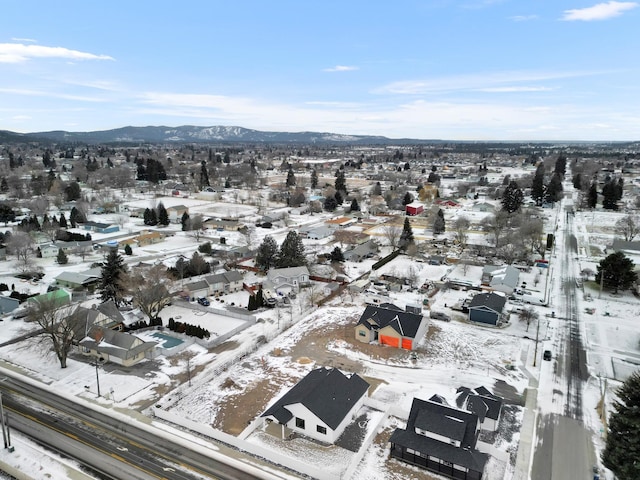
x=390, y=325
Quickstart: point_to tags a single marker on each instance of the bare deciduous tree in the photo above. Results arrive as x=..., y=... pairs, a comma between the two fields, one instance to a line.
x=392, y=234
x=58, y=326
x=528, y=315
x=628, y=227
x=461, y=227
x=150, y=290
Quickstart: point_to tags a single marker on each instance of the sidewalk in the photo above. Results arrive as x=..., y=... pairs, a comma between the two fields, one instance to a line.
x=527, y=432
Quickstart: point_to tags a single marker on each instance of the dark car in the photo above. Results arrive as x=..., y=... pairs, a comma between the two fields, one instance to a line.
x=546, y=355
x=203, y=301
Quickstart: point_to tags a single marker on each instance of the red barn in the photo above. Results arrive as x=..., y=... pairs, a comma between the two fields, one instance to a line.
x=414, y=208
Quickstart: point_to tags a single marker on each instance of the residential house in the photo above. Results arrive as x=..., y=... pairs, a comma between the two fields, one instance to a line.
x=487, y=308
x=49, y=250
x=362, y=251
x=414, y=208
x=176, y=212
x=317, y=233
x=623, y=246
x=284, y=280
x=486, y=405
x=225, y=282
x=501, y=278
x=319, y=406
x=340, y=222
x=88, y=280
x=223, y=225
x=440, y=438
x=116, y=347
x=57, y=298
x=149, y=238
x=390, y=325
x=100, y=227
x=199, y=288
x=483, y=207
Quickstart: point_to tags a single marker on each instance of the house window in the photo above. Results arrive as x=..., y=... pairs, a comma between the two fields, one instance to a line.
x=321, y=429
x=300, y=423
x=362, y=333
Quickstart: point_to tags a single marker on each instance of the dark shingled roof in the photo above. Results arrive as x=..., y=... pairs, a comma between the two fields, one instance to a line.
x=405, y=323
x=327, y=393
x=490, y=300
x=443, y=420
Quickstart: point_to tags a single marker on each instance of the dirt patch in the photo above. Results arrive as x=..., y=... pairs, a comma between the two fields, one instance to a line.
x=241, y=408
x=226, y=346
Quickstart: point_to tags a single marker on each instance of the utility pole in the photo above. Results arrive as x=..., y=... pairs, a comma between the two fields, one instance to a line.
x=4, y=431
x=535, y=353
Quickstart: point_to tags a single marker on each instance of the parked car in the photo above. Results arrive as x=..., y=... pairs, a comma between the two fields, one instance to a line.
x=203, y=301
x=439, y=316
x=546, y=355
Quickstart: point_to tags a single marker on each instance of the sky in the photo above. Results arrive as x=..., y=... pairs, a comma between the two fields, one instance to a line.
x=430, y=69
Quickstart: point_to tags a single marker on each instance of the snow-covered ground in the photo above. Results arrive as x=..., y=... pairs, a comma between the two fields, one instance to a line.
x=454, y=354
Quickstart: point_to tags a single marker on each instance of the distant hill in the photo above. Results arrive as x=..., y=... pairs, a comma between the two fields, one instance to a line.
x=193, y=134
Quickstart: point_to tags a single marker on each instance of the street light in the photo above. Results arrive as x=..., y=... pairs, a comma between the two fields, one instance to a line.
x=98, y=361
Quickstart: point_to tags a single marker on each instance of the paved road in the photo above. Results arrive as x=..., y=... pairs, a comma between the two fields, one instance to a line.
x=564, y=449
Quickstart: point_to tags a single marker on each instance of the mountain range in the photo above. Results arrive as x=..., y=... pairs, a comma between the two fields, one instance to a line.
x=194, y=134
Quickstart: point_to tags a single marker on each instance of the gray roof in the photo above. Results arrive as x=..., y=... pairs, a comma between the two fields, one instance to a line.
x=327, y=393
x=197, y=285
x=492, y=301
x=502, y=275
x=448, y=421
x=224, y=277
x=483, y=403
x=619, y=244
x=114, y=343
x=77, y=278
x=377, y=317
x=287, y=272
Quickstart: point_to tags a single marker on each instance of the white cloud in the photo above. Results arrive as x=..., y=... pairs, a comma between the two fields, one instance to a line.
x=341, y=68
x=524, y=18
x=19, y=52
x=44, y=93
x=514, y=89
x=24, y=40
x=475, y=81
x=601, y=11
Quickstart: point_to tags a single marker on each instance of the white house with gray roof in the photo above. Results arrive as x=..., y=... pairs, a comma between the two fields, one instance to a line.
x=284, y=280
x=501, y=278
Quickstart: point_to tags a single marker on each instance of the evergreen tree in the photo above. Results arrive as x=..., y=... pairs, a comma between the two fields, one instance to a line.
x=63, y=220
x=75, y=217
x=561, y=166
x=619, y=189
x=407, y=199
x=336, y=255
x=512, y=197
x=354, y=205
x=537, y=186
x=112, y=279
x=267, y=253
x=127, y=249
x=377, y=189
x=341, y=182
x=592, y=197
x=291, y=178
x=62, y=258
x=314, y=179
x=163, y=215
x=609, y=196
x=4, y=186
x=616, y=272
x=577, y=181
x=406, y=237
x=554, y=189
x=330, y=204
x=185, y=222
x=204, y=175
x=259, y=298
x=438, y=223
x=291, y=251
x=339, y=199
x=623, y=439
x=252, y=303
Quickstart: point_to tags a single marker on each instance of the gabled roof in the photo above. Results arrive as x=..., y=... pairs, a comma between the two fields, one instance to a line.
x=197, y=285
x=114, y=343
x=287, y=272
x=492, y=301
x=76, y=277
x=421, y=412
x=224, y=277
x=405, y=323
x=505, y=275
x=482, y=402
x=327, y=393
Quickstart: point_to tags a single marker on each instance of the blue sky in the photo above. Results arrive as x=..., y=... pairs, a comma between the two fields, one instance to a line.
x=460, y=70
